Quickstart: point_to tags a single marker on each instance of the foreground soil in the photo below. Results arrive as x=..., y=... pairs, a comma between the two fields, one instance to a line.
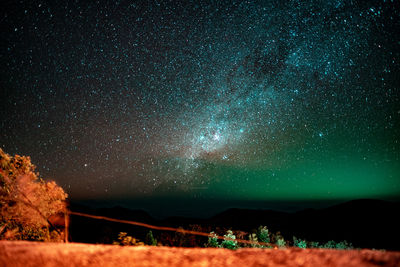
x=24, y=253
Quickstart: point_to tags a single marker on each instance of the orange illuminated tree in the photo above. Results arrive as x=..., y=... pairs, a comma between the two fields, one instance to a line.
x=27, y=202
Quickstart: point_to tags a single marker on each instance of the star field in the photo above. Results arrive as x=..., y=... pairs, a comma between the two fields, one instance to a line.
x=255, y=100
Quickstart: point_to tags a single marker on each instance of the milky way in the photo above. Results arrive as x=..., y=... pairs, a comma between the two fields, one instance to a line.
x=235, y=99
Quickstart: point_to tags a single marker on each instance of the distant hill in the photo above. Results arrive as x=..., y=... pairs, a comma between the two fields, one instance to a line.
x=366, y=223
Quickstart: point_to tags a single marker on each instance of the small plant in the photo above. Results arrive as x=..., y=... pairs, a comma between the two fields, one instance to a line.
x=229, y=241
x=314, y=244
x=253, y=238
x=330, y=244
x=344, y=245
x=280, y=242
x=212, y=240
x=263, y=234
x=150, y=240
x=180, y=238
x=125, y=240
x=274, y=240
x=299, y=243
x=338, y=245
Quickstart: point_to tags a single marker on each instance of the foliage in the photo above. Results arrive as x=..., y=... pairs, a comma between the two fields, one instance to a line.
x=229, y=241
x=299, y=243
x=329, y=244
x=280, y=242
x=253, y=238
x=263, y=234
x=273, y=238
x=344, y=245
x=340, y=245
x=193, y=240
x=150, y=240
x=212, y=240
x=27, y=201
x=125, y=240
x=180, y=239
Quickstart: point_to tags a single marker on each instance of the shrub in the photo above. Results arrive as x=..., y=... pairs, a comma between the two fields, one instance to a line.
x=212, y=240
x=340, y=245
x=180, y=238
x=125, y=240
x=193, y=240
x=253, y=238
x=229, y=241
x=329, y=244
x=344, y=245
x=299, y=243
x=263, y=234
x=280, y=242
x=150, y=240
x=314, y=244
x=278, y=239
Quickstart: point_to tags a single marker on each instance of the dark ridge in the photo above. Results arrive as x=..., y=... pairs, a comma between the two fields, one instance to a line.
x=366, y=223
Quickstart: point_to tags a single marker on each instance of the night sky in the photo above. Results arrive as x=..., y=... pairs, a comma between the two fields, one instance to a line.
x=205, y=102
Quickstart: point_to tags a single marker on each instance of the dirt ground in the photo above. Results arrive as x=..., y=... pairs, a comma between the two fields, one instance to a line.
x=26, y=254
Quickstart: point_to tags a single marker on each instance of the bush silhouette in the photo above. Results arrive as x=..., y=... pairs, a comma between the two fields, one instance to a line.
x=337, y=245
x=212, y=240
x=299, y=243
x=125, y=240
x=150, y=240
x=263, y=234
x=253, y=238
x=229, y=240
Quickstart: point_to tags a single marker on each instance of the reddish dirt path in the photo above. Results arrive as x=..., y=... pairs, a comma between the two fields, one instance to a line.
x=26, y=254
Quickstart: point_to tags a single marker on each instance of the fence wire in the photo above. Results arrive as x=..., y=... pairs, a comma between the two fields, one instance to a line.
x=171, y=229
